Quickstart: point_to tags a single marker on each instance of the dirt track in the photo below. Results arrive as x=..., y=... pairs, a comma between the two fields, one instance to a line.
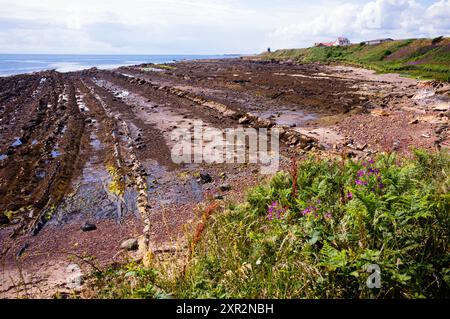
x=66, y=138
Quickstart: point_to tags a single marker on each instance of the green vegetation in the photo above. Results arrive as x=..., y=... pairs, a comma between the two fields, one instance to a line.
x=422, y=58
x=165, y=66
x=315, y=239
x=117, y=184
x=130, y=281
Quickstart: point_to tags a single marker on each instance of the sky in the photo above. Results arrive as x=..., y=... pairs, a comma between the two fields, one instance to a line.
x=208, y=26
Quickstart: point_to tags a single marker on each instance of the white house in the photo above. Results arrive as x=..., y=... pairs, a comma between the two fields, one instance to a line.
x=341, y=41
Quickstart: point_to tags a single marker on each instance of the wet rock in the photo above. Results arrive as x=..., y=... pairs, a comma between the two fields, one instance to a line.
x=205, y=177
x=3, y=219
x=88, y=226
x=225, y=187
x=130, y=244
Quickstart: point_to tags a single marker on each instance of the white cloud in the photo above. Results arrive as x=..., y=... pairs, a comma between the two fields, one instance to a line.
x=207, y=26
x=379, y=18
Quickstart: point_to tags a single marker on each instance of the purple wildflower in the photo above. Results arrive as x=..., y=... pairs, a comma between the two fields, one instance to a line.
x=328, y=215
x=364, y=164
x=349, y=195
x=371, y=161
x=306, y=211
x=275, y=209
x=361, y=173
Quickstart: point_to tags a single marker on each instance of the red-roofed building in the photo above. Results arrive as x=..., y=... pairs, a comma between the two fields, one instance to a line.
x=341, y=41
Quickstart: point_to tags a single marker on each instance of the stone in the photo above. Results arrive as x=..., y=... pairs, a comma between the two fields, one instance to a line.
x=379, y=112
x=4, y=219
x=130, y=244
x=74, y=278
x=225, y=187
x=205, y=177
x=87, y=226
x=415, y=121
x=244, y=120
x=442, y=107
x=396, y=145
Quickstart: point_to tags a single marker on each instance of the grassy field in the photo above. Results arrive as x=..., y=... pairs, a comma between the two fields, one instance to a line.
x=312, y=232
x=421, y=58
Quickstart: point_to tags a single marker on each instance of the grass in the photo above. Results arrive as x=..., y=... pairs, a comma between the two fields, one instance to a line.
x=165, y=66
x=421, y=58
x=312, y=232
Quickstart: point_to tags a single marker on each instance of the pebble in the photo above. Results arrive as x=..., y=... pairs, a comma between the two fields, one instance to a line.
x=225, y=187
x=130, y=244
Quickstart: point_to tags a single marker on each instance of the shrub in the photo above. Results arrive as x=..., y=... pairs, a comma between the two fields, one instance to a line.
x=346, y=215
x=128, y=281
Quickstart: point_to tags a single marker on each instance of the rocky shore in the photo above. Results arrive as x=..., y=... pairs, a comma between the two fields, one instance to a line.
x=86, y=175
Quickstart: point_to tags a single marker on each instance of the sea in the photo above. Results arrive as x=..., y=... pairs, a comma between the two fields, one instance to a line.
x=12, y=64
